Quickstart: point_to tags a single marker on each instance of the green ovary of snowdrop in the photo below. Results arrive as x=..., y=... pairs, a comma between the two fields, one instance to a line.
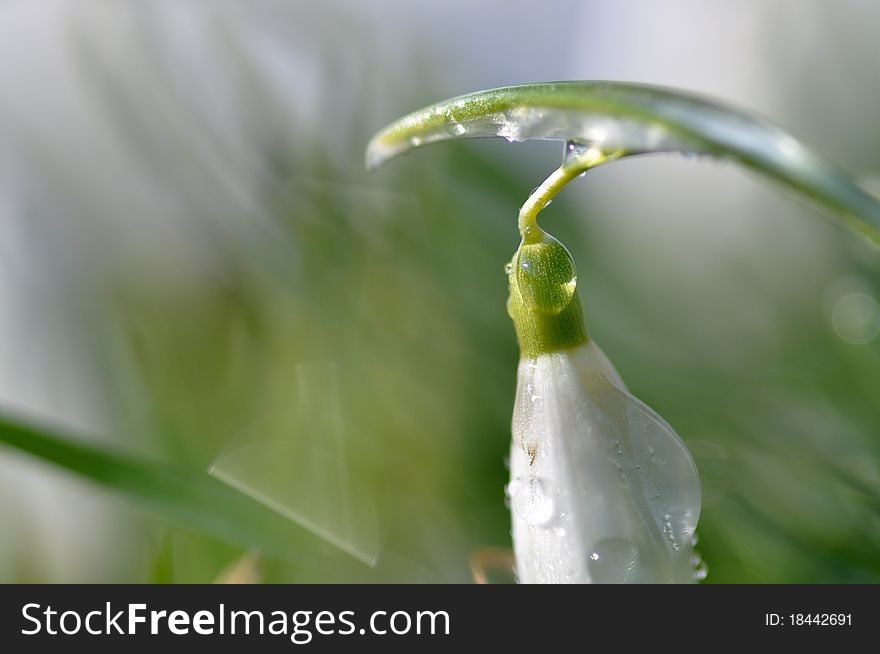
x=601, y=489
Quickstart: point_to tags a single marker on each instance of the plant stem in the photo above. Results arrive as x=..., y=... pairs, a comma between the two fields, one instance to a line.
x=541, y=196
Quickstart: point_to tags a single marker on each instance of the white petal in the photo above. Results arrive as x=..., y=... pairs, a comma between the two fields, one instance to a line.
x=602, y=489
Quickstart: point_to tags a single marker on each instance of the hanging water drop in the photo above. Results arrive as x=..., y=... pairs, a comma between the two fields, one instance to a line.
x=699, y=566
x=701, y=571
x=577, y=155
x=508, y=493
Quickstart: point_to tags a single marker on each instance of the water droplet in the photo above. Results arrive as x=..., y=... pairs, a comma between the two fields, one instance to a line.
x=454, y=127
x=533, y=395
x=507, y=493
x=508, y=268
x=545, y=274
x=613, y=561
x=578, y=154
x=510, y=129
x=532, y=503
x=415, y=141
x=701, y=571
x=669, y=533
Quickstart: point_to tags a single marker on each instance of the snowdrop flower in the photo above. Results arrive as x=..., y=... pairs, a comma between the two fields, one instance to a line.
x=602, y=490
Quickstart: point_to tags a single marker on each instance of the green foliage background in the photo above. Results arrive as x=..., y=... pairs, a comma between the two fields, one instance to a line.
x=197, y=319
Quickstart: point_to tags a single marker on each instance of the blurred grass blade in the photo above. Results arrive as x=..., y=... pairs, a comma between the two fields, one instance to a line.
x=190, y=499
x=626, y=119
x=299, y=463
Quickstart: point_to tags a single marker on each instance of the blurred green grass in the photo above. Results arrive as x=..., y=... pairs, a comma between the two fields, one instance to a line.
x=397, y=280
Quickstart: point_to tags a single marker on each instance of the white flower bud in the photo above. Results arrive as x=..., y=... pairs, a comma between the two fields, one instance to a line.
x=602, y=490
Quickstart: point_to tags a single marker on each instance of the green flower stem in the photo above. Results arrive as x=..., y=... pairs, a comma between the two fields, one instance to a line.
x=636, y=119
x=542, y=195
x=543, y=302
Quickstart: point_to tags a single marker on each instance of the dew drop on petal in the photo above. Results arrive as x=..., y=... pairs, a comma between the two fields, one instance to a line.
x=613, y=561
x=508, y=493
x=532, y=503
x=701, y=571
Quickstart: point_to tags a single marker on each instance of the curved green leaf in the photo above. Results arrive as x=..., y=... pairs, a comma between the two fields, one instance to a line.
x=624, y=119
x=190, y=499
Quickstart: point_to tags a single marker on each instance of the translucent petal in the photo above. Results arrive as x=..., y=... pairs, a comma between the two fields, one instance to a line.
x=602, y=489
x=657, y=460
